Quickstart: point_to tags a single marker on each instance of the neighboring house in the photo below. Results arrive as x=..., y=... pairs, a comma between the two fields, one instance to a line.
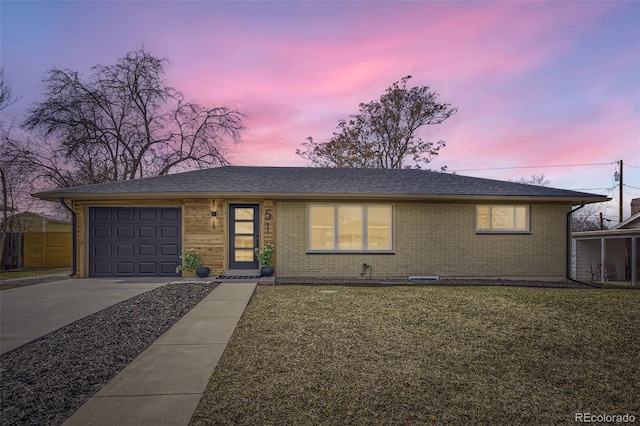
x=36, y=222
x=324, y=222
x=618, y=249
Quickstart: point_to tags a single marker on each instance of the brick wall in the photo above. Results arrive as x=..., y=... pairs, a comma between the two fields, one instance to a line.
x=433, y=239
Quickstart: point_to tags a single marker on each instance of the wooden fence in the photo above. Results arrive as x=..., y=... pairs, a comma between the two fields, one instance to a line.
x=47, y=249
x=12, y=251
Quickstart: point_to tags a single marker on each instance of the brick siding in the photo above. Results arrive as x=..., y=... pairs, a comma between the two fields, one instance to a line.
x=433, y=239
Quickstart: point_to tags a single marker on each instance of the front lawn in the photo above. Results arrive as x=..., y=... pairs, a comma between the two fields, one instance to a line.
x=424, y=354
x=618, y=285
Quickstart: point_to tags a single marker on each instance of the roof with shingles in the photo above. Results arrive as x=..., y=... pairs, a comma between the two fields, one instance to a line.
x=631, y=222
x=308, y=181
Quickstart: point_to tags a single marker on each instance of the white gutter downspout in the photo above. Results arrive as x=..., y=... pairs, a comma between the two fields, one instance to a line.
x=603, y=256
x=634, y=263
x=569, y=237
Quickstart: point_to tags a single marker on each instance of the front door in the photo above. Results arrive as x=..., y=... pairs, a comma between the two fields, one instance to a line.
x=243, y=236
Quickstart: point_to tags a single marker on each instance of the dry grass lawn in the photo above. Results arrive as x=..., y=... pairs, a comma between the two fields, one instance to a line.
x=426, y=354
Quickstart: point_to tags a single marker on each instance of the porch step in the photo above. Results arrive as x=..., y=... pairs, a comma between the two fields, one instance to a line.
x=238, y=277
x=244, y=279
x=243, y=272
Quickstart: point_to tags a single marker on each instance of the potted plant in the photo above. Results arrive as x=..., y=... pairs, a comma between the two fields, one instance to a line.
x=191, y=262
x=265, y=259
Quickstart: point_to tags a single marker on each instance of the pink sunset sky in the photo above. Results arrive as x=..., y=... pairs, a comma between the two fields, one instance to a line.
x=536, y=83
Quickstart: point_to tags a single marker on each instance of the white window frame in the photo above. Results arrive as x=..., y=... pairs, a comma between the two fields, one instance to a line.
x=492, y=230
x=365, y=237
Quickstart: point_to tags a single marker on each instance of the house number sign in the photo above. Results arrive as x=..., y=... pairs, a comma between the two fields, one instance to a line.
x=268, y=215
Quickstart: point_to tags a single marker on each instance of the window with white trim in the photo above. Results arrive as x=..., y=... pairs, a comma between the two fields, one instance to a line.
x=348, y=227
x=502, y=218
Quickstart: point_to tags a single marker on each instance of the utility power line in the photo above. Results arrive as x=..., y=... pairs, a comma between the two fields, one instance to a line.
x=590, y=189
x=533, y=167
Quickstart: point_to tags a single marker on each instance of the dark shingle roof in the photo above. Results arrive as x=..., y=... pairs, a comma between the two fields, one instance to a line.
x=293, y=181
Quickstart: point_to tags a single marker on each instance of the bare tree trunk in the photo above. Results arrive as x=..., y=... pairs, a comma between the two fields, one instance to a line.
x=5, y=211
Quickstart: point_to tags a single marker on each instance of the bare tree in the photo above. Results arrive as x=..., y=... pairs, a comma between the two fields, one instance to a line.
x=6, y=97
x=122, y=122
x=383, y=133
x=540, y=180
x=585, y=219
x=6, y=171
x=16, y=181
x=6, y=209
x=588, y=219
x=13, y=187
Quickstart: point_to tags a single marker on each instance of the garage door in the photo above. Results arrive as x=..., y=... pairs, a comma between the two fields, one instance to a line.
x=134, y=242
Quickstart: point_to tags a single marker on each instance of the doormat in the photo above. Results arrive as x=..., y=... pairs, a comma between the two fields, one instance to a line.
x=238, y=277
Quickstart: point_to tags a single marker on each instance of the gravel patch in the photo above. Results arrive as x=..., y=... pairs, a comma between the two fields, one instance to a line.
x=46, y=381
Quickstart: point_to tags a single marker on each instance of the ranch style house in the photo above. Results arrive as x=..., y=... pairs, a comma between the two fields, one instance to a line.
x=323, y=222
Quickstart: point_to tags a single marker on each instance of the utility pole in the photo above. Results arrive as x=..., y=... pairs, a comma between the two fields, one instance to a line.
x=601, y=222
x=621, y=185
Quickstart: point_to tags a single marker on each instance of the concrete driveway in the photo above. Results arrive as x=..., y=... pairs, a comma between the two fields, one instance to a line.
x=31, y=312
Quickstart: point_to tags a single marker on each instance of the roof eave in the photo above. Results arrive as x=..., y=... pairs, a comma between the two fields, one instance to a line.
x=56, y=196
x=585, y=235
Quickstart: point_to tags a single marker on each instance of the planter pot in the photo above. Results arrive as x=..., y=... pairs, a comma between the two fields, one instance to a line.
x=267, y=271
x=203, y=272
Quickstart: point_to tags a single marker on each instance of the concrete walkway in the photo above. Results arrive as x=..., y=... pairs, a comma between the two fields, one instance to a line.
x=30, y=312
x=163, y=385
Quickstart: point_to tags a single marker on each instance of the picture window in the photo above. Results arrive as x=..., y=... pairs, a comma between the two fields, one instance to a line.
x=350, y=228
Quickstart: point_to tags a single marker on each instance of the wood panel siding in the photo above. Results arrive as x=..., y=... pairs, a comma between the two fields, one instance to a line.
x=81, y=231
x=201, y=234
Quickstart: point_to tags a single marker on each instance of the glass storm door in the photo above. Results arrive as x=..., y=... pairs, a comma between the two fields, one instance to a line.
x=243, y=236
